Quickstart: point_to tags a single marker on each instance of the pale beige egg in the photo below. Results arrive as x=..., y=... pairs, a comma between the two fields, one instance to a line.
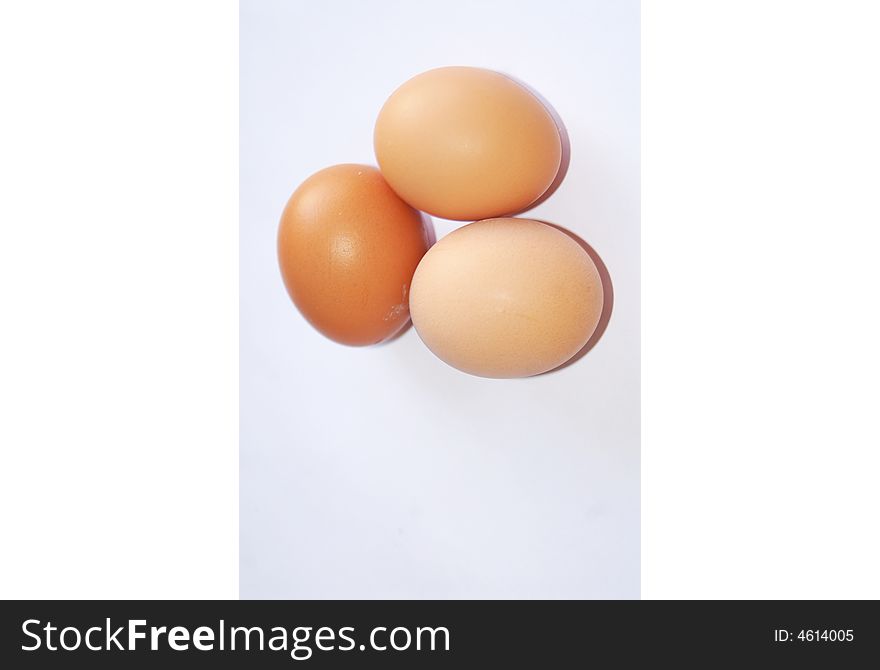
x=506, y=298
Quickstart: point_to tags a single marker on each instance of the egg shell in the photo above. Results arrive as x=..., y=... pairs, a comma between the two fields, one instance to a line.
x=466, y=143
x=347, y=248
x=506, y=298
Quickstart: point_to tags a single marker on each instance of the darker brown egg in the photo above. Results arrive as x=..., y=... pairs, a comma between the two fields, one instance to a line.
x=348, y=247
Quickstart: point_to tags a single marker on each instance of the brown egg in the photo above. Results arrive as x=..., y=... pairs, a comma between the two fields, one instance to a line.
x=348, y=247
x=506, y=298
x=466, y=143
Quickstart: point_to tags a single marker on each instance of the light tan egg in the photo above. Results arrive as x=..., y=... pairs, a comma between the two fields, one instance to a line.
x=506, y=298
x=466, y=143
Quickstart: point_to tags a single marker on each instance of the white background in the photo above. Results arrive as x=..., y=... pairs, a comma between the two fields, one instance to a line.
x=382, y=472
x=761, y=221
x=118, y=345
